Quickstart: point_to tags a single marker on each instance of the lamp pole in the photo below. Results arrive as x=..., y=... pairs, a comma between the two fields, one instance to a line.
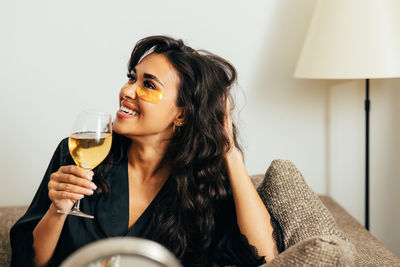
x=367, y=108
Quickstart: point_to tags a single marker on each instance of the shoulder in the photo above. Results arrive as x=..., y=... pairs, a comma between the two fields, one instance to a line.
x=61, y=154
x=63, y=142
x=63, y=146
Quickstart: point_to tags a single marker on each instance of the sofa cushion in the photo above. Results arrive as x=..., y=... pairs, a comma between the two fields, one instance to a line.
x=8, y=216
x=300, y=214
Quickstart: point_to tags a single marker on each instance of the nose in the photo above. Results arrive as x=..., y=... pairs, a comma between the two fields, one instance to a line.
x=128, y=90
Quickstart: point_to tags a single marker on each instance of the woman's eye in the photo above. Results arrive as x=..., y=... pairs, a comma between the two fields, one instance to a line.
x=149, y=85
x=130, y=77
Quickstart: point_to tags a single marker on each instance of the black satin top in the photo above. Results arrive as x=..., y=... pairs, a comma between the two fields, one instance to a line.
x=111, y=220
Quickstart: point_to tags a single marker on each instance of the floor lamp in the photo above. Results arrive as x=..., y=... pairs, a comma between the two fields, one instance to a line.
x=353, y=39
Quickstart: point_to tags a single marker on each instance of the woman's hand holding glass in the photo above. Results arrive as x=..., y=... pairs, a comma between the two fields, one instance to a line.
x=89, y=144
x=69, y=184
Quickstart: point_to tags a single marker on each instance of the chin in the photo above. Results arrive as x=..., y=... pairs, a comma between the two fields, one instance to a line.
x=123, y=130
x=118, y=128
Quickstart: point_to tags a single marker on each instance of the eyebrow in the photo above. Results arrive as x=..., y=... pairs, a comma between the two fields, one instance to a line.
x=150, y=76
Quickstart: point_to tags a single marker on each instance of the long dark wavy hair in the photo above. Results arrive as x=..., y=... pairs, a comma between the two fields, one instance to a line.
x=185, y=221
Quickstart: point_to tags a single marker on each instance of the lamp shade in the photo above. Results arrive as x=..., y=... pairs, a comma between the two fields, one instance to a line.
x=352, y=39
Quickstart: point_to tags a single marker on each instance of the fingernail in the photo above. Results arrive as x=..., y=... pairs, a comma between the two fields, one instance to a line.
x=80, y=196
x=93, y=186
x=89, y=191
x=89, y=176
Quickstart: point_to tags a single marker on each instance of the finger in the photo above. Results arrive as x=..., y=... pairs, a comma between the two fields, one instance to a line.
x=228, y=118
x=228, y=105
x=51, y=184
x=77, y=171
x=74, y=180
x=228, y=108
x=74, y=189
x=53, y=195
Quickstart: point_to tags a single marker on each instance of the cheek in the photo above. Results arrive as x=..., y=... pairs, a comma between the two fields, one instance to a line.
x=162, y=113
x=156, y=112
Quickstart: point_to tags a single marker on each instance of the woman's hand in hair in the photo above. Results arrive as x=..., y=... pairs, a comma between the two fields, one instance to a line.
x=229, y=126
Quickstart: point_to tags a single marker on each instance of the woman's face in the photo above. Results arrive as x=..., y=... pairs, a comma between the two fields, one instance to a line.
x=138, y=117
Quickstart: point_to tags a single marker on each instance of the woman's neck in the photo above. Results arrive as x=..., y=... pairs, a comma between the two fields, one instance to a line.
x=144, y=159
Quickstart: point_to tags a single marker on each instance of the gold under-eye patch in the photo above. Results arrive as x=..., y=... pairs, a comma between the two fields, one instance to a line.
x=150, y=95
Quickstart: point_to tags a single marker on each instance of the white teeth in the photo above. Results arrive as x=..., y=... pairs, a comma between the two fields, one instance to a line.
x=128, y=111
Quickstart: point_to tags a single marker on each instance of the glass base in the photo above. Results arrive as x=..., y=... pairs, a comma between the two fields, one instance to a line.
x=76, y=213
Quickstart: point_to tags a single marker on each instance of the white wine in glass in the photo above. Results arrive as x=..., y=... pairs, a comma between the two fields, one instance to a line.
x=89, y=144
x=89, y=149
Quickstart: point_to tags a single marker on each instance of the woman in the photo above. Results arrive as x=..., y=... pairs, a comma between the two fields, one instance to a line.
x=175, y=173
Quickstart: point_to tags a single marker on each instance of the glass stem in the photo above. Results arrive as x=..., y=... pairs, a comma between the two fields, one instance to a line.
x=78, y=202
x=76, y=205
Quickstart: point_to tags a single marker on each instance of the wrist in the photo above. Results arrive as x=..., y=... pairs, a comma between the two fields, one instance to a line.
x=233, y=155
x=53, y=212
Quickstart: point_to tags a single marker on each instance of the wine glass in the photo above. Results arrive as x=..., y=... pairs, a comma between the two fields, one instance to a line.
x=89, y=144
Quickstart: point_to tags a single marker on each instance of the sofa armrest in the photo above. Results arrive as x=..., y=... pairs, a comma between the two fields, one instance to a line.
x=369, y=251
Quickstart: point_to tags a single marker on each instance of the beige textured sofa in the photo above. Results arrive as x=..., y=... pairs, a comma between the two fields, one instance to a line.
x=364, y=249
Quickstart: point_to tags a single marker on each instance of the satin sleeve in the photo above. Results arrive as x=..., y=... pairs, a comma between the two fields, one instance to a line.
x=21, y=234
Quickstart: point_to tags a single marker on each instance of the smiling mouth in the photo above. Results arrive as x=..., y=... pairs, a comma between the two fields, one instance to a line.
x=129, y=111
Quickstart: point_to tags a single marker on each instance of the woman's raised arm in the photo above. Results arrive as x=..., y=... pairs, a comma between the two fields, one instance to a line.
x=252, y=216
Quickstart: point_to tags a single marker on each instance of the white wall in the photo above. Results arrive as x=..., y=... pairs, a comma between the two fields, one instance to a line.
x=61, y=56
x=285, y=117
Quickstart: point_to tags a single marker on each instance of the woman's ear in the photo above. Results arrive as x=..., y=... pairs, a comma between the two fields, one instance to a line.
x=180, y=118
